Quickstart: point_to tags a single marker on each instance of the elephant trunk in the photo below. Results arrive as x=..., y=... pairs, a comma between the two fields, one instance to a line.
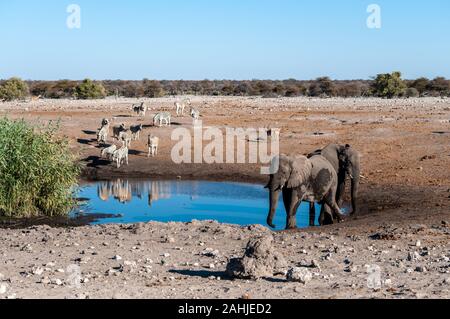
x=354, y=189
x=273, y=197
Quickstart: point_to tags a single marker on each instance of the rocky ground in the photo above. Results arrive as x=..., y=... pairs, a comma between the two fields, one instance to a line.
x=189, y=261
x=398, y=244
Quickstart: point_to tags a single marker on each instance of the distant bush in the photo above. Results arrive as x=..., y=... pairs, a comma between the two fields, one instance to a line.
x=412, y=92
x=153, y=89
x=13, y=89
x=388, y=85
x=88, y=90
x=421, y=85
x=385, y=85
x=37, y=169
x=440, y=85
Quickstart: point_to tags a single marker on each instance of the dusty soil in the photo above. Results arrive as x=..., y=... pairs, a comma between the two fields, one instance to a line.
x=405, y=198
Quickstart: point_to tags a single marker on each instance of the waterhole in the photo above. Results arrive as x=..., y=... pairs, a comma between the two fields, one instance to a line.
x=134, y=201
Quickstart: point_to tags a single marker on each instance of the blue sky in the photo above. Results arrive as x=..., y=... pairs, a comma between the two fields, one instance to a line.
x=223, y=39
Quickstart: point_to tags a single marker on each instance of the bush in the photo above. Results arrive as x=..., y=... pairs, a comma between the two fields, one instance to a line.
x=389, y=85
x=412, y=92
x=89, y=90
x=13, y=89
x=38, y=172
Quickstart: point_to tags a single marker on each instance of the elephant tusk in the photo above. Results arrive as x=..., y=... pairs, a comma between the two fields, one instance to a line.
x=362, y=177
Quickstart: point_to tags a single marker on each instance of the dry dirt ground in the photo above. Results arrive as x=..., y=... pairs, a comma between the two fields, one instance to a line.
x=403, y=226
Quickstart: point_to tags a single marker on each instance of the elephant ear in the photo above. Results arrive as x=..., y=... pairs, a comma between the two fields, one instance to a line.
x=301, y=168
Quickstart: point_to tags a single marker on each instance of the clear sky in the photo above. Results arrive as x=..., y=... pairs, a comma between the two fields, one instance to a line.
x=223, y=39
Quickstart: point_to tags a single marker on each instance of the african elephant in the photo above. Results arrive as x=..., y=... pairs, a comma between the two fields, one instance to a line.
x=346, y=162
x=302, y=179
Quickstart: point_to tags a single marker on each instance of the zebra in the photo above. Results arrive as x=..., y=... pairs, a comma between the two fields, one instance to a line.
x=136, y=131
x=109, y=152
x=161, y=118
x=153, y=143
x=125, y=138
x=117, y=130
x=102, y=135
x=274, y=133
x=120, y=156
x=139, y=109
x=180, y=106
x=195, y=114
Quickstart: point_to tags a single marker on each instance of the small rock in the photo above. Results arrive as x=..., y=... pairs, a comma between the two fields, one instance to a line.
x=209, y=252
x=413, y=256
x=37, y=271
x=57, y=282
x=301, y=275
x=117, y=257
x=418, y=243
x=421, y=269
x=3, y=288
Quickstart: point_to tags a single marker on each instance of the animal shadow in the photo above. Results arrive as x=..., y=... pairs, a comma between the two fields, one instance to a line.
x=84, y=141
x=201, y=273
x=89, y=132
x=123, y=116
x=134, y=152
x=95, y=162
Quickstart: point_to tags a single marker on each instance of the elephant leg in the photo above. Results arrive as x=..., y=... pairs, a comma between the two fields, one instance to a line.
x=326, y=216
x=312, y=214
x=331, y=202
x=291, y=221
x=341, y=188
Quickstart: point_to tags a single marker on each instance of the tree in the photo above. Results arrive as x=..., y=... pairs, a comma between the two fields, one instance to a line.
x=13, y=89
x=153, y=89
x=388, y=85
x=421, y=85
x=440, y=85
x=88, y=90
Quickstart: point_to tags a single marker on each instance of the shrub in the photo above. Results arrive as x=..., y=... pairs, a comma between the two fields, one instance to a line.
x=13, y=89
x=89, y=90
x=38, y=172
x=389, y=85
x=412, y=92
x=153, y=89
x=440, y=85
x=421, y=85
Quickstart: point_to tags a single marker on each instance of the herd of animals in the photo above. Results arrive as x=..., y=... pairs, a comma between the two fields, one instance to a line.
x=119, y=155
x=319, y=177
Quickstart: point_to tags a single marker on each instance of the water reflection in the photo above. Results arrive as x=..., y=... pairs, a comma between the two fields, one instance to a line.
x=182, y=201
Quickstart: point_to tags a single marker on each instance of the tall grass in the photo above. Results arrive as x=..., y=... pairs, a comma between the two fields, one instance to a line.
x=38, y=173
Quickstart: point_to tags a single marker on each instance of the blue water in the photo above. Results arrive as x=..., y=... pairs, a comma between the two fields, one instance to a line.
x=133, y=201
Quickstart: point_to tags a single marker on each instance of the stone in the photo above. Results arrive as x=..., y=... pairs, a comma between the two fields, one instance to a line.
x=209, y=252
x=421, y=269
x=117, y=257
x=37, y=271
x=413, y=256
x=260, y=260
x=3, y=288
x=301, y=275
